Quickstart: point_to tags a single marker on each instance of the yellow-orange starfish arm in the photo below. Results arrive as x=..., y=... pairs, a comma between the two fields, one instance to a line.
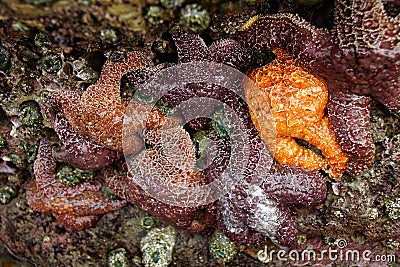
x=287, y=151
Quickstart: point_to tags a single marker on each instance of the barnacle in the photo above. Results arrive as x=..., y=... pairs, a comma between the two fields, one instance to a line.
x=221, y=248
x=118, y=258
x=194, y=18
x=157, y=246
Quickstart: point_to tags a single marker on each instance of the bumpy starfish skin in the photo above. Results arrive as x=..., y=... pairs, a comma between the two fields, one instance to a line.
x=310, y=46
x=169, y=163
x=368, y=58
x=79, y=150
x=75, y=207
x=290, y=185
x=264, y=219
x=192, y=48
x=352, y=129
x=99, y=111
x=193, y=220
x=297, y=102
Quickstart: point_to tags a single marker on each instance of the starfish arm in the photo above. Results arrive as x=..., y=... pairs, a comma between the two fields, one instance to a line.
x=44, y=186
x=168, y=166
x=365, y=27
x=190, y=47
x=323, y=137
x=263, y=214
x=80, y=151
x=176, y=147
x=98, y=112
x=105, y=110
x=143, y=80
x=83, y=200
x=234, y=228
x=45, y=165
x=287, y=151
x=68, y=102
x=76, y=223
x=125, y=187
x=388, y=91
x=309, y=46
x=350, y=120
x=249, y=214
x=290, y=185
x=47, y=194
x=368, y=57
x=113, y=71
x=231, y=52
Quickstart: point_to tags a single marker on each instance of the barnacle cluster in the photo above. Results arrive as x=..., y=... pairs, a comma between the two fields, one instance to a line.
x=72, y=176
x=221, y=248
x=157, y=246
x=194, y=18
x=118, y=258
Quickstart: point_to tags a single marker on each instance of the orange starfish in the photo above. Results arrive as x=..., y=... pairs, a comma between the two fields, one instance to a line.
x=99, y=111
x=297, y=101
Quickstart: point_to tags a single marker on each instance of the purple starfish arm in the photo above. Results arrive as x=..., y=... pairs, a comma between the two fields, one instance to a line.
x=290, y=185
x=190, y=47
x=349, y=114
x=232, y=53
x=81, y=151
x=254, y=211
x=369, y=42
x=310, y=46
x=249, y=216
x=236, y=230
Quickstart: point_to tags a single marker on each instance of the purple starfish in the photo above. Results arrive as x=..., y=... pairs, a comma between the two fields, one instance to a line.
x=192, y=48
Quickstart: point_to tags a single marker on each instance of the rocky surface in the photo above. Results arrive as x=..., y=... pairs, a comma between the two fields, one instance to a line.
x=48, y=45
